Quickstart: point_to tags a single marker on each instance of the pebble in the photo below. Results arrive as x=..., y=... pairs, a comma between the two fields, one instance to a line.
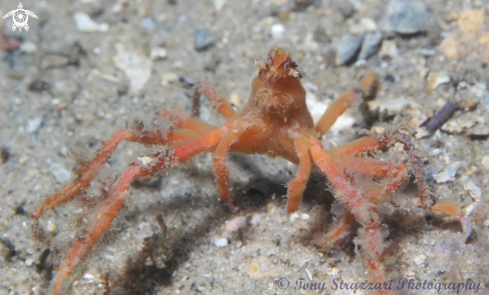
x=51, y=61
x=348, y=48
x=277, y=31
x=436, y=79
x=84, y=23
x=474, y=191
x=29, y=261
x=407, y=17
x=136, y=67
x=388, y=49
x=158, y=53
x=449, y=47
x=368, y=24
x=235, y=224
x=485, y=161
x=60, y=173
x=51, y=227
x=148, y=23
x=169, y=78
x=235, y=99
x=33, y=125
x=461, y=123
x=203, y=39
x=270, y=252
x=346, y=8
x=221, y=242
x=370, y=45
x=187, y=80
x=430, y=171
x=470, y=20
x=28, y=47
x=448, y=174
x=420, y=259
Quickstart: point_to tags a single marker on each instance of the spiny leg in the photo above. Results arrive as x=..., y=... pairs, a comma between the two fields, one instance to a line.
x=335, y=233
x=340, y=105
x=219, y=158
x=67, y=192
x=298, y=184
x=178, y=152
x=394, y=174
x=359, y=206
x=217, y=101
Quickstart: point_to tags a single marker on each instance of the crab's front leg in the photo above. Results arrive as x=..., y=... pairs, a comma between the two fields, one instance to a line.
x=297, y=185
x=178, y=152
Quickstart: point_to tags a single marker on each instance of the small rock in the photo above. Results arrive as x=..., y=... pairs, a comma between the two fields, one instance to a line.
x=158, y=53
x=430, y=171
x=203, y=39
x=29, y=261
x=299, y=5
x=407, y=17
x=51, y=227
x=277, y=31
x=270, y=252
x=218, y=4
x=60, y=173
x=346, y=8
x=474, y=191
x=370, y=45
x=136, y=67
x=420, y=259
x=369, y=24
x=388, y=49
x=461, y=123
x=470, y=20
x=148, y=23
x=235, y=224
x=169, y=78
x=348, y=48
x=436, y=79
x=33, y=125
x=51, y=61
x=448, y=174
x=485, y=161
x=84, y=23
x=89, y=278
x=187, y=80
x=28, y=47
x=449, y=47
x=221, y=242
x=235, y=99
x=393, y=106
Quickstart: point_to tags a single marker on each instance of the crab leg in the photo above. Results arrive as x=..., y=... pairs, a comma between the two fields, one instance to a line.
x=339, y=106
x=366, y=144
x=181, y=151
x=336, y=233
x=217, y=101
x=360, y=207
x=298, y=184
x=67, y=192
x=219, y=158
x=183, y=121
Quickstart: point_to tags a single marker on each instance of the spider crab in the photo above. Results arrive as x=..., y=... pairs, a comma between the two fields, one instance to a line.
x=275, y=122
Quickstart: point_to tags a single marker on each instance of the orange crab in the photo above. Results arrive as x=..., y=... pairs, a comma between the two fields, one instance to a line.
x=277, y=123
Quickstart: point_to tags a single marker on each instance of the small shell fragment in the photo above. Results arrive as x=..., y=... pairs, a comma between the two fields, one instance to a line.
x=420, y=259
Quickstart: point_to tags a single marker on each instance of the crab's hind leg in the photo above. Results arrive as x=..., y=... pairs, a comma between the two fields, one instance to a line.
x=340, y=105
x=178, y=152
x=359, y=206
x=217, y=101
x=298, y=184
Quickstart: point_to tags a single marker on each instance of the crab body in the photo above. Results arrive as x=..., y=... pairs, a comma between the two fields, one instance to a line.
x=275, y=122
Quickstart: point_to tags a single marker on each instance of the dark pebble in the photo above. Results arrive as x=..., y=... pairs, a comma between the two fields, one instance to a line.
x=203, y=39
x=389, y=78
